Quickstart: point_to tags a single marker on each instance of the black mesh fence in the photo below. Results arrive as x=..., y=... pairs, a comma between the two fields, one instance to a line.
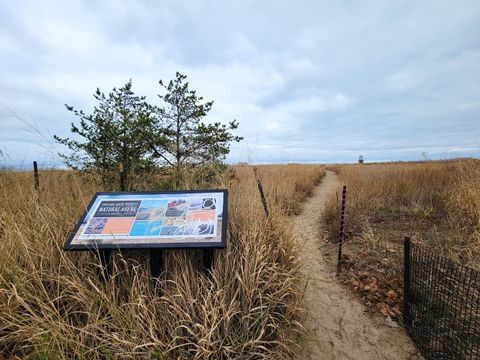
x=442, y=305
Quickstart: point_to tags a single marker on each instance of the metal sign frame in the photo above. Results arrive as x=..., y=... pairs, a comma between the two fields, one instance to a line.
x=145, y=246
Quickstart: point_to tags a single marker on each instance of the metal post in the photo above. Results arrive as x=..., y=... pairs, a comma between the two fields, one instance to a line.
x=105, y=259
x=207, y=261
x=156, y=267
x=406, y=282
x=262, y=194
x=341, y=235
x=35, y=177
x=156, y=263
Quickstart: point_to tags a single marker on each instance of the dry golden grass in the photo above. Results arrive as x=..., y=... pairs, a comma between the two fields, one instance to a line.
x=436, y=203
x=56, y=305
x=287, y=186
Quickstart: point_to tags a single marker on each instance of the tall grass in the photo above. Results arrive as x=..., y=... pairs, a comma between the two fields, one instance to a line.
x=58, y=305
x=436, y=203
x=287, y=186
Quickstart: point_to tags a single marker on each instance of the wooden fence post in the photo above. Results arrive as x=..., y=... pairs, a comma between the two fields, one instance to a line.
x=35, y=177
x=36, y=180
x=262, y=194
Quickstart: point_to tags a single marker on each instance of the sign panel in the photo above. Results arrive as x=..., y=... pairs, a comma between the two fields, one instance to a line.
x=149, y=220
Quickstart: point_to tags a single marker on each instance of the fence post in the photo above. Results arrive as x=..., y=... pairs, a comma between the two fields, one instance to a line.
x=406, y=282
x=35, y=177
x=341, y=235
x=262, y=194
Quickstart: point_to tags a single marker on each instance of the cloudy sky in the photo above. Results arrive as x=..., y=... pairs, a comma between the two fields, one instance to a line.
x=317, y=81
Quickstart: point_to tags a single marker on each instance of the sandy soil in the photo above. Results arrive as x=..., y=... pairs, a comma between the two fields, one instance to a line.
x=337, y=325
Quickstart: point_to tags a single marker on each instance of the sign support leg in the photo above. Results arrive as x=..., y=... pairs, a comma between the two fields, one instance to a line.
x=105, y=259
x=156, y=265
x=207, y=261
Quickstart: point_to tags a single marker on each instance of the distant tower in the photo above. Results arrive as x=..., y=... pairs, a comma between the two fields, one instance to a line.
x=360, y=159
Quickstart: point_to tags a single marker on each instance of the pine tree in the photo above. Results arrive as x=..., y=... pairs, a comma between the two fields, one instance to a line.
x=112, y=136
x=181, y=138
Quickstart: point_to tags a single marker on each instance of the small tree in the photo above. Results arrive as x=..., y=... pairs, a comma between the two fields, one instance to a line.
x=181, y=138
x=113, y=136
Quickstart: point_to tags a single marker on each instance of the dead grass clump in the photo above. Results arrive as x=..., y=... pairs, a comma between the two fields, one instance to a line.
x=57, y=305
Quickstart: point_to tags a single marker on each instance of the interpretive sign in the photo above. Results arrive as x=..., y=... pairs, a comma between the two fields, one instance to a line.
x=152, y=220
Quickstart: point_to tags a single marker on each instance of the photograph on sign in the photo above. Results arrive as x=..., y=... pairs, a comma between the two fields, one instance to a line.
x=156, y=220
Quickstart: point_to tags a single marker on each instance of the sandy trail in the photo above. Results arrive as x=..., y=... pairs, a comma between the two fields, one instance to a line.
x=337, y=326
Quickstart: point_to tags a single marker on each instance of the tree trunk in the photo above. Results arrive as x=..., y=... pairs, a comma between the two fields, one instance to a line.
x=178, y=155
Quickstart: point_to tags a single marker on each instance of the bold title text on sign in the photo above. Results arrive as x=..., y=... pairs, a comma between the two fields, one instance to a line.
x=117, y=209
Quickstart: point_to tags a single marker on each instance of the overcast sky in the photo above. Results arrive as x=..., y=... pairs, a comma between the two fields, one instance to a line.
x=318, y=81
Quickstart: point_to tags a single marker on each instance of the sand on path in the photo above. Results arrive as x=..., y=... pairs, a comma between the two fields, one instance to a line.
x=337, y=326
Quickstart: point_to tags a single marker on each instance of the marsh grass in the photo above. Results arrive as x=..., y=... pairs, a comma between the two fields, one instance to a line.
x=57, y=305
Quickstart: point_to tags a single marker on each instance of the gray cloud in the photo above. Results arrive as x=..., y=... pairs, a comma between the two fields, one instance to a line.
x=308, y=81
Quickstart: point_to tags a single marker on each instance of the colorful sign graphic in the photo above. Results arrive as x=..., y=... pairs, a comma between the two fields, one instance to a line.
x=152, y=220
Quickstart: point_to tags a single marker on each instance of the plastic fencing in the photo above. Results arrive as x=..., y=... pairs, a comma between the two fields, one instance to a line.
x=442, y=305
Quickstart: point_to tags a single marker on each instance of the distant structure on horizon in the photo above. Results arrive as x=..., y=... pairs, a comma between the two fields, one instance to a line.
x=360, y=159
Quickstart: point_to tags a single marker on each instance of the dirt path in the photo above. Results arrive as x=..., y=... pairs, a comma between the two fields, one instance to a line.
x=337, y=326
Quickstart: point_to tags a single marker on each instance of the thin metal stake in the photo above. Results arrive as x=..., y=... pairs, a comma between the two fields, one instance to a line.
x=407, y=319
x=341, y=237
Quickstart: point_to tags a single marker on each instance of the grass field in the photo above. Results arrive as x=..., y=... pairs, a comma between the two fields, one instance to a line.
x=436, y=203
x=56, y=305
